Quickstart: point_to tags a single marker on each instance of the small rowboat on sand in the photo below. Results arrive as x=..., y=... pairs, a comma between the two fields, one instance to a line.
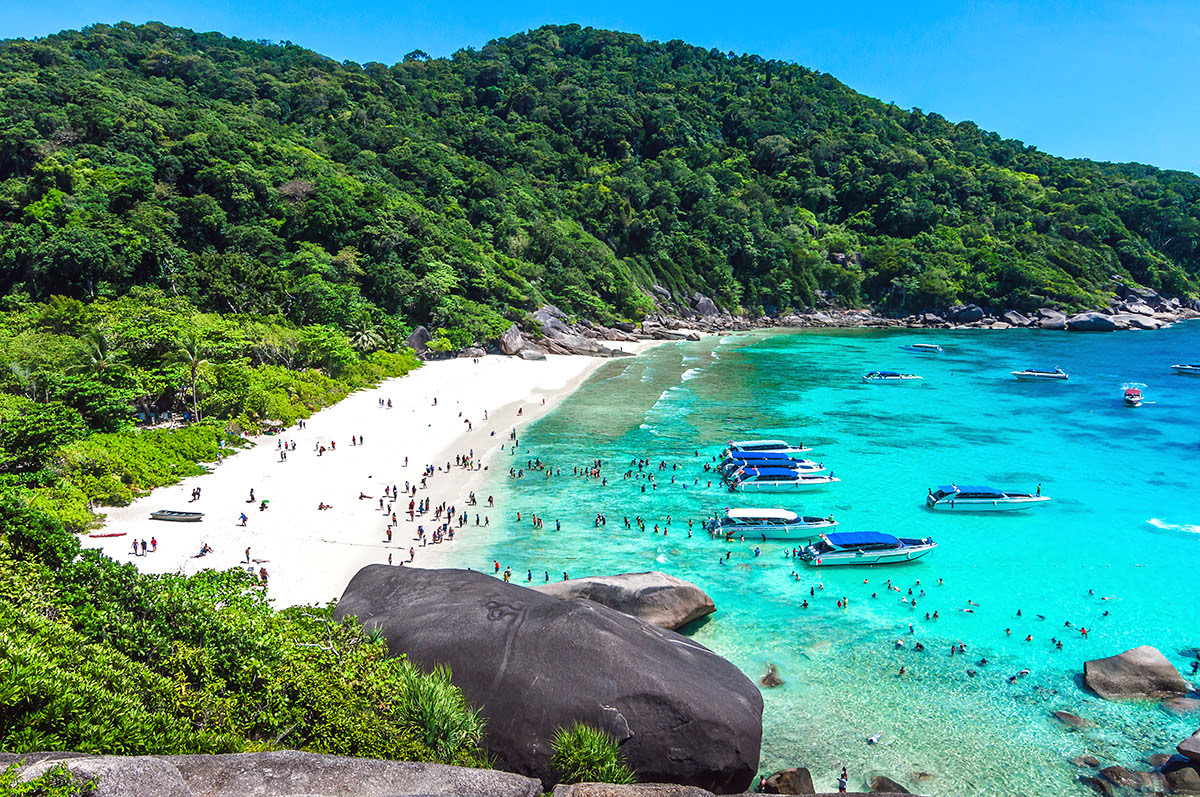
x=109, y=534
x=177, y=516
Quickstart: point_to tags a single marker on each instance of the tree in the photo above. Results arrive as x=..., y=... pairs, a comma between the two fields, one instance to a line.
x=190, y=354
x=99, y=358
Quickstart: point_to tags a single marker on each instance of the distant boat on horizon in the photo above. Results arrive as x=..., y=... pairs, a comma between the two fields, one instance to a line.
x=888, y=378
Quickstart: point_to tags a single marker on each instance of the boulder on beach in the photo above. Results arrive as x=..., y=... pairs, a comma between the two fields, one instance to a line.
x=534, y=664
x=1140, y=672
x=510, y=342
x=531, y=354
x=882, y=784
x=1091, y=322
x=655, y=597
x=1049, y=318
x=793, y=780
x=418, y=341
x=282, y=773
x=1017, y=319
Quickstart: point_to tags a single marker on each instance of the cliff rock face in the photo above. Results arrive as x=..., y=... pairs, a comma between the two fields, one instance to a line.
x=657, y=598
x=535, y=664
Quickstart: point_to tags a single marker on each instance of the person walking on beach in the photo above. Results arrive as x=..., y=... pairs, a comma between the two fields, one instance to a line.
x=262, y=575
x=247, y=554
x=244, y=518
x=154, y=546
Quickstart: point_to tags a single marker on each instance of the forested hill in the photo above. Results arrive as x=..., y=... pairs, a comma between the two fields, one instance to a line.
x=568, y=165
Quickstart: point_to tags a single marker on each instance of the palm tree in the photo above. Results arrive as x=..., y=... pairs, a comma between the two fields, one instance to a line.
x=189, y=353
x=364, y=337
x=99, y=358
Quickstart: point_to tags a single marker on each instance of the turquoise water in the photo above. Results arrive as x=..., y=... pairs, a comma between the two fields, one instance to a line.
x=1124, y=523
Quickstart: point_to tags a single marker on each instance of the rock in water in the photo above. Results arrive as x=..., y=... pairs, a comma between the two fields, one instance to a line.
x=1091, y=322
x=770, y=680
x=655, y=597
x=1180, y=705
x=1190, y=747
x=1072, y=720
x=882, y=784
x=1140, y=672
x=793, y=780
x=534, y=664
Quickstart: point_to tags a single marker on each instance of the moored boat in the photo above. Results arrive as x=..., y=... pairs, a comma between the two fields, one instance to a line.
x=864, y=548
x=1040, y=375
x=768, y=524
x=731, y=465
x=764, y=447
x=177, y=516
x=1187, y=368
x=923, y=348
x=977, y=498
x=888, y=378
x=777, y=480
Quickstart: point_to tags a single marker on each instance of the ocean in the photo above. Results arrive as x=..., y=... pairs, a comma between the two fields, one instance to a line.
x=1114, y=552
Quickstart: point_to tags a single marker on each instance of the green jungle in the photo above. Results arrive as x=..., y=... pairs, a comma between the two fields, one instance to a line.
x=226, y=232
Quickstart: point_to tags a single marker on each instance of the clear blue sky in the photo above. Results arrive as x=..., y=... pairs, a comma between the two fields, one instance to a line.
x=1105, y=80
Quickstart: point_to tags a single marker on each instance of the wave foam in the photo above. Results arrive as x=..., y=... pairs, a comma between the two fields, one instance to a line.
x=1190, y=529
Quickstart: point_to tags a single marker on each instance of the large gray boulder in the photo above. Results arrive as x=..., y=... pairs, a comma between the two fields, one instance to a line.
x=1190, y=747
x=1051, y=319
x=1017, y=319
x=1091, y=322
x=793, y=780
x=967, y=315
x=655, y=597
x=704, y=306
x=510, y=342
x=284, y=773
x=1141, y=672
x=418, y=341
x=534, y=664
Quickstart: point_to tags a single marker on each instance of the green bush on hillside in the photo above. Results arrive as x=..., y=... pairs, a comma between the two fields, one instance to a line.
x=583, y=754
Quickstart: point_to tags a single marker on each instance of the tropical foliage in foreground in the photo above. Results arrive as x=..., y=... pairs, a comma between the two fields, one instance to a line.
x=566, y=164
x=96, y=657
x=583, y=754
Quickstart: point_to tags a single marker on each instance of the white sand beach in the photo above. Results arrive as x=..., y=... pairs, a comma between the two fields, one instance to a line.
x=311, y=554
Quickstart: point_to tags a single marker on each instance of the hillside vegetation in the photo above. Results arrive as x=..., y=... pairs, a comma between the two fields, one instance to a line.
x=568, y=165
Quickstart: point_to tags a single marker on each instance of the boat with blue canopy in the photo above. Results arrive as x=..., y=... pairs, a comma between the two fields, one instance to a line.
x=864, y=548
x=777, y=480
x=980, y=498
x=764, y=447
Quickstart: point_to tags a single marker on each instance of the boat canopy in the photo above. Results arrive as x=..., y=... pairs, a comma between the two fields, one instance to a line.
x=849, y=539
x=738, y=453
x=761, y=514
x=887, y=373
x=750, y=445
x=770, y=471
x=972, y=489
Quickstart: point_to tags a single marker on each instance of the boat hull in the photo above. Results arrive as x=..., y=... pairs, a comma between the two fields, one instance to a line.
x=178, y=517
x=1040, y=377
x=985, y=505
x=861, y=558
x=780, y=487
x=796, y=532
x=1189, y=370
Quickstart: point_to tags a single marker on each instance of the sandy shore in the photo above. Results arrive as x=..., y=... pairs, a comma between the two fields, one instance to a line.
x=311, y=554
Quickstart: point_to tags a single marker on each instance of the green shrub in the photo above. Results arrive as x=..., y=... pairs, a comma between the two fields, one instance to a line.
x=583, y=754
x=435, y=712
x=58, y=781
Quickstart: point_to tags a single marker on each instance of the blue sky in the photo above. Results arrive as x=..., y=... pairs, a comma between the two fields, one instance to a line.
x=1104, y=80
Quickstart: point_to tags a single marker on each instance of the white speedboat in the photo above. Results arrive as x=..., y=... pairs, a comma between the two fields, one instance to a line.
x=769, y=524
x=1039, y=375
x=975, y=498
x=864, y=548
x=730, y=465
x=1188, y=368
x=777, y=480
x=764, y=447
x=888, y=378
x=923, y=348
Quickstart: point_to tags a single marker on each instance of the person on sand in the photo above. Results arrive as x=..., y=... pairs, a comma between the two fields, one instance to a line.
x=244, y=518
x=251, y=499
x=262, y=575
x=247, y=554
x=153, y=544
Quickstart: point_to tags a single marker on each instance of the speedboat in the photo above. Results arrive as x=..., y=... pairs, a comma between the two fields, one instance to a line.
x=1189, y=368
x=764, y=447
x=1132, y=397
x=888, y=378
x=923, y=348
x=864, y=548
x=1039, y=375
x=177, y=516
x=981, y=499
x=777, y=480
x=731, y=465
x=769, y=524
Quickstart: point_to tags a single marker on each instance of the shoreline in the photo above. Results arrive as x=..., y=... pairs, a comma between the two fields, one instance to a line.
x=310, y=554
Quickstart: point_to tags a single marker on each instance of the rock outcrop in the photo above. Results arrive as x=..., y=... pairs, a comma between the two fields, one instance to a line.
x=1073, y=721
x=510, y=342
x=418, y=341
x=1190, y=747
x=284, y=773
x=1091, y=322
x=882, y=784
x=655, y=597
x=1051, y=319
x=534, y=664
x=793, y=780
x=1141, y=672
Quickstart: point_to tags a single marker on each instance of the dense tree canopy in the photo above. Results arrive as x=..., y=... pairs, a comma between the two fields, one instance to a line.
x=567, y=164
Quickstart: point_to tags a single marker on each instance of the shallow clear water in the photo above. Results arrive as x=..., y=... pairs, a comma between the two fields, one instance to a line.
x=1124, y=523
